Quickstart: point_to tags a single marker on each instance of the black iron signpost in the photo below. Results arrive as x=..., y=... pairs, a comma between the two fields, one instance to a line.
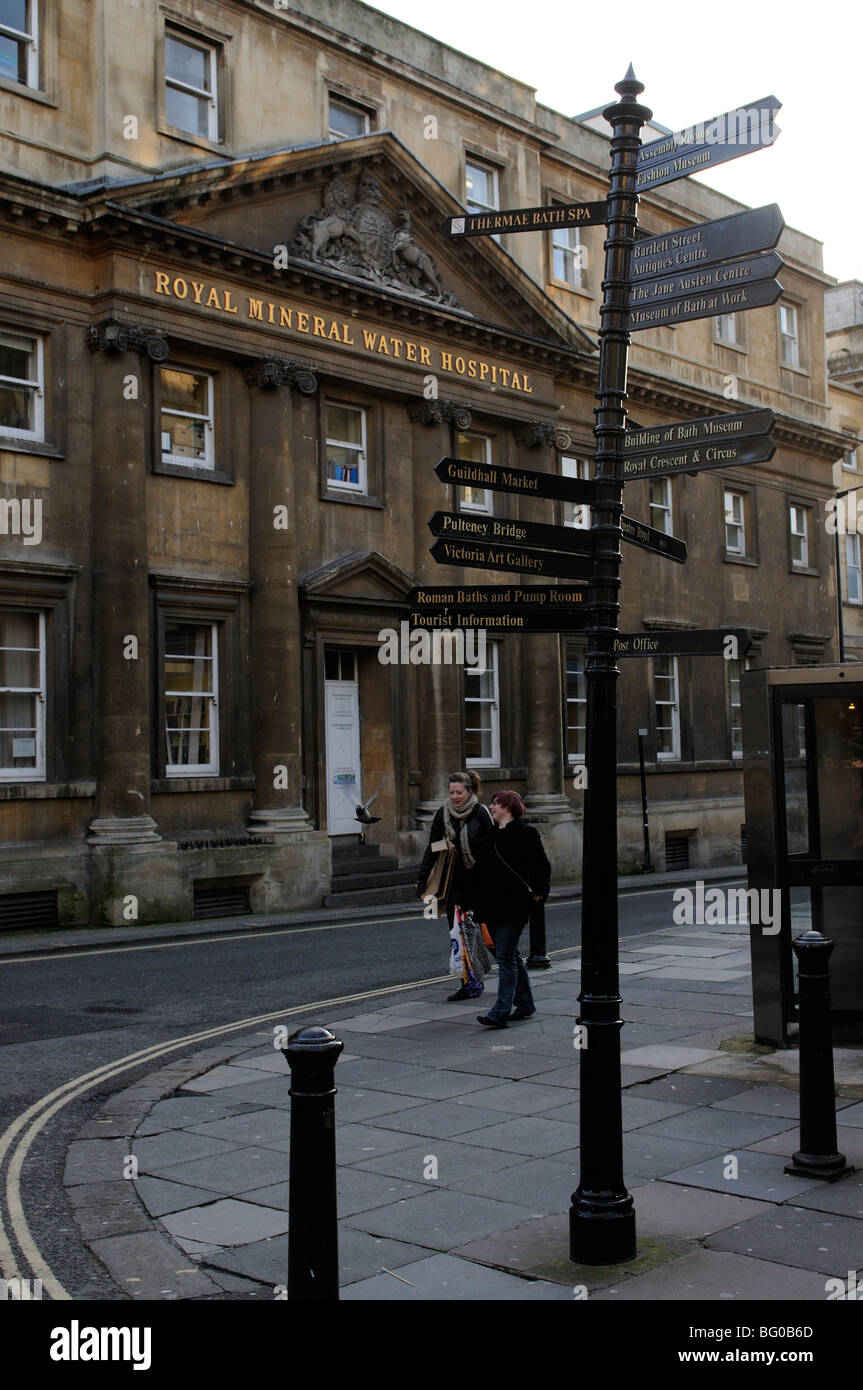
x=692, y=273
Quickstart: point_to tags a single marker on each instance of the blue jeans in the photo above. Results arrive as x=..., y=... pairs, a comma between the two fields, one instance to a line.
x=513, y=984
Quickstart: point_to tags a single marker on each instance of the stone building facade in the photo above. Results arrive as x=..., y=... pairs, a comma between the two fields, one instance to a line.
x=843, y=313
x=235, y=343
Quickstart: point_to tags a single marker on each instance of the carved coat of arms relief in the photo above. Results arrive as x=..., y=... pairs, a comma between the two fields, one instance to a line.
x=358, y=238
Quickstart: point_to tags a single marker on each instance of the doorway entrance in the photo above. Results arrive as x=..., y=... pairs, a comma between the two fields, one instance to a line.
x=342, y=712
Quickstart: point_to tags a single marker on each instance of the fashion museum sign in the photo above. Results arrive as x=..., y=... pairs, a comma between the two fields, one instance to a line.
x=299, y=322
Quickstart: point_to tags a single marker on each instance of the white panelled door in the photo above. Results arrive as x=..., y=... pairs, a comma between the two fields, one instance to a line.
x=343, y=756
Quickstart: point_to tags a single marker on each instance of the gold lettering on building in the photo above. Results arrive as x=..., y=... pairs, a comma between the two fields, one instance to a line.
x=298, y=320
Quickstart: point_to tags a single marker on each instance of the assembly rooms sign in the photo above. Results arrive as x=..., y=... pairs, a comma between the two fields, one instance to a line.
x=295, y=320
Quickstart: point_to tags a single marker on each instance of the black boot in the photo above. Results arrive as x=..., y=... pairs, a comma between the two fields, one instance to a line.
x=459, y=994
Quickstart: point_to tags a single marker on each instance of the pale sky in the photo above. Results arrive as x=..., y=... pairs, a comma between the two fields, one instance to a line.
x=697, y=60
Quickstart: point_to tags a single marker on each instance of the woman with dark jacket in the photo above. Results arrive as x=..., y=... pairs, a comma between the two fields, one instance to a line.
x=512, y=877
x=465, y=825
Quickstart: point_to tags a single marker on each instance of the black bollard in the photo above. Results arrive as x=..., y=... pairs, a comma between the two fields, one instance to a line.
x=818, y=1155
x=538, y=959
x=313, y=1233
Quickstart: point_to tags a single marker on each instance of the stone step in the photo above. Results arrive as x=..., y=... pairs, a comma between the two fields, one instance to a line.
x=351, y=865
x=352, y=883
x=375, y=897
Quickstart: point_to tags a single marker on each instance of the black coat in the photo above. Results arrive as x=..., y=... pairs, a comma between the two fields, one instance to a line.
x=465, y=882
x=516, y=870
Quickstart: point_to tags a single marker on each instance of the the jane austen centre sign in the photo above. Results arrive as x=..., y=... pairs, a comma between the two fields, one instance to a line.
x=725, y=266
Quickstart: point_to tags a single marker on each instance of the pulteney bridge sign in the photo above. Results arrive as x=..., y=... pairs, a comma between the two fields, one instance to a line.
x=719, y=267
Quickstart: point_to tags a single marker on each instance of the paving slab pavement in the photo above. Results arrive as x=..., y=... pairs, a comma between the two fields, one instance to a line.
x=458, y=1152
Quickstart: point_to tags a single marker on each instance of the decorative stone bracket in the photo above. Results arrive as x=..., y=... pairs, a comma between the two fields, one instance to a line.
x=116, y=335
x=269, y=373
x=540, y=434
x=439, y=412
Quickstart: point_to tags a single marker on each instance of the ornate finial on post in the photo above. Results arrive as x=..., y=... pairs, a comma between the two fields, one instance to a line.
x=629, y=85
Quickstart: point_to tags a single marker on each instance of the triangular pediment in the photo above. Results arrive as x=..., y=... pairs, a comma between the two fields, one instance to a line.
x=361, y=575
x=365, y=210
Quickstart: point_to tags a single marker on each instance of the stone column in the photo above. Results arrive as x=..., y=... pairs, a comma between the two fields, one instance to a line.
x=543, y=689
x=275, y=614
x=121, y=608
x=438, y=687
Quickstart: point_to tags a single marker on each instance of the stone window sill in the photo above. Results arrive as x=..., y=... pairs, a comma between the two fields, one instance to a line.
x=46, y=791
x=160, y=785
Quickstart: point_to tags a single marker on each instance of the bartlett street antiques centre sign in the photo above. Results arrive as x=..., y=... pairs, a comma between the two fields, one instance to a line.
x=296, y=320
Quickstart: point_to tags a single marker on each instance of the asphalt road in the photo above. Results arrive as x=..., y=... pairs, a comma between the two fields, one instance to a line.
x=65, y=1014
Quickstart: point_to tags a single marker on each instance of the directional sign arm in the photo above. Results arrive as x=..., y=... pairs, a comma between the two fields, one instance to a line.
x=523, y=482
x=537, y=219
x=504, y=531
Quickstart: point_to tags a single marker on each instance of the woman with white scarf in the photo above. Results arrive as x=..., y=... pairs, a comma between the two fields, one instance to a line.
x=467, y=827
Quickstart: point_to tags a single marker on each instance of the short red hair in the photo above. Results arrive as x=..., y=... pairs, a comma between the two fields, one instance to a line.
x=510, y=801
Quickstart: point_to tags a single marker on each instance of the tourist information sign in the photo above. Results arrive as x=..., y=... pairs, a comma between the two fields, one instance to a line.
x=503, y=620
x=697, y=458
x=526, y=219
x=685, y=642
x=480, y=555
x=691, y=248
x=466, y=473
x=698, y=305
x=709, y=143
x=648, y=538
x=713, y=429
x=746, y=270
x=467, y=525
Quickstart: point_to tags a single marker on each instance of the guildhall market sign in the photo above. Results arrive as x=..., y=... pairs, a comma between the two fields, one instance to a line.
x=345, y=332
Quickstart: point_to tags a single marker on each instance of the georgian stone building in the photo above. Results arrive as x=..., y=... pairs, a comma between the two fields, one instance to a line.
x=234, y=344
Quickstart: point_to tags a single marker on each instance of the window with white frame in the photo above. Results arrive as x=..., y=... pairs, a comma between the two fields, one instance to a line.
x=854, y=586
x=346, y=119
x=186, y=404
x=22, y=695
x=666, y=702
x=569, y=257
x=788, y=335
x=476, y=448
x=482, y=711
x=191, y=685
x=725, y=327
x=191, y=94
x=734, y=670
x=576, y=706
x=481, y=187
x=735, y=523
x=22, y=386
x=347, y=455
x=19, y=41
x=850, y=461
x=575, y=513
x=799, y=522
x=661, y=513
